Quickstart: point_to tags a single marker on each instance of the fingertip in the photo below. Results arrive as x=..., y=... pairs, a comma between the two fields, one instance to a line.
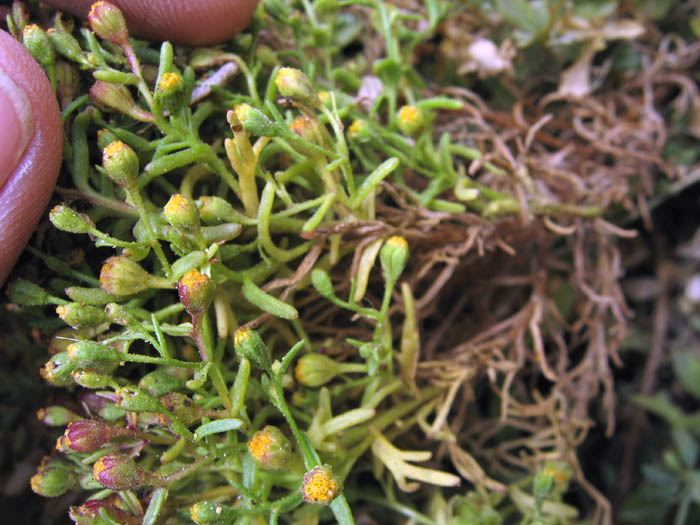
x=31, y=140
x=180, y=21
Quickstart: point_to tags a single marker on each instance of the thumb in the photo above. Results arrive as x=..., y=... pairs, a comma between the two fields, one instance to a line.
x=30, y=148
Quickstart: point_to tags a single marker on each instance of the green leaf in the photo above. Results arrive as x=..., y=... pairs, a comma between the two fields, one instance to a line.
x=267, y=302
x=533, y=17
x=686, y=365
x=215, y=427
x=686, y=446
x=154, y=507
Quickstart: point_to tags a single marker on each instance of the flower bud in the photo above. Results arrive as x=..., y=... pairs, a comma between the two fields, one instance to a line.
x=158, y=383
x=212, y=513
x=250, y=345
x=79, y=316
x=90, y=379
x=182, y=407
x=393, y=257
x=37, y=43
x=26, y=293
x=53, y=478
x=123, y=276
x=88, y=435
x=315, y=370
x=118, y=97
x=105, y=137
x=359, y=131
x=56, y=416
x=91, y=512
x=543, y=483
x=253, y=120
x=134, y=400
x=98, y=405
x=196, y=291
x=67, y=219
x=320, y=485
x=65, y=45
x=121, y=163
x=296, y=85
x=107, y=22
x=411, y=121
x=120, y=472
x=57, y=371
x=311, y=130
x=171, y=91
x=270, y=448
x=181, y=212
x=89, y=354
x=214, y=210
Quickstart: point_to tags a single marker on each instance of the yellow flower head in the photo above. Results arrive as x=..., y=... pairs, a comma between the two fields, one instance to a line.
x=320, y=486
x=169, y=81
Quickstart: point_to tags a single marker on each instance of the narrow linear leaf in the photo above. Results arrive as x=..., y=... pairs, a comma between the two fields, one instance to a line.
x=216, y=427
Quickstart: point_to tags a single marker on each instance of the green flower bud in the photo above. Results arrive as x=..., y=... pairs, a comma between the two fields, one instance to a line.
x=158, y=383
x=296, y=85
x=56, y=416
x=107, y=21
x=117, y=97
x=182, y=407
x=88, y=435
x=26, y=293
x=121, y=163
x=134, y=400
x=316, y=369
x=212, y=513
x=543, y=483
x=79, y=316
x=253, y=120
x=181, y=212
x=65, y=45
x=67, y=219
x=57, y=371
x=92, y=296
x=37, y=43
x=171, y=91
x=320, y=486
x=250, y=345
x=214, y=210
x=393, y=257
x=270, y=448
x=120, y=472
x=196, y=291
x=123, y=276
x=411, y=121
x=322, y=282
x=53, y=478
x=105, y=137
x=90, y=379
x=311, y=130
x=359, y=131
x=89, y=354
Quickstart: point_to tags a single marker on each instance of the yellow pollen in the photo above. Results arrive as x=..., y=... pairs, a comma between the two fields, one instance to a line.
x=176, y=203
x=114, y=148
x=241, y=335
x=95, y=7
x=241, y=111
x=397, y=241
x=193, y=278
x=300, y=124
x=355, y=128
x=408, y=114
x=30, y=29
x=324, y=96
x=98, y=468
x=285, y=76
x=61, y=311
x=319, y=486
x=259, y=445
x=169, y=81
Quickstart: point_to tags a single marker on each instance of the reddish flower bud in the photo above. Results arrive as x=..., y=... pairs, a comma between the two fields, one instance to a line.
x=118, y=97
x=89, y=512
x=120, y=472
x=88, y=435
x=107, y=21
x=296, y=85
x=196, y=292
x=124, y=276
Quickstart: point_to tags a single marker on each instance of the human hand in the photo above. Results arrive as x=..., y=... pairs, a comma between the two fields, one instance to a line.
x=30, y=125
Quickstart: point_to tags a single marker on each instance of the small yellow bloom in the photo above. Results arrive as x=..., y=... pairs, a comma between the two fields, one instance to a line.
x=169, y=81
x=320, y=486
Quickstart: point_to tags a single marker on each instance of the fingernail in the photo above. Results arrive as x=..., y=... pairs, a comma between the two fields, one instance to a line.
x=16, y=125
